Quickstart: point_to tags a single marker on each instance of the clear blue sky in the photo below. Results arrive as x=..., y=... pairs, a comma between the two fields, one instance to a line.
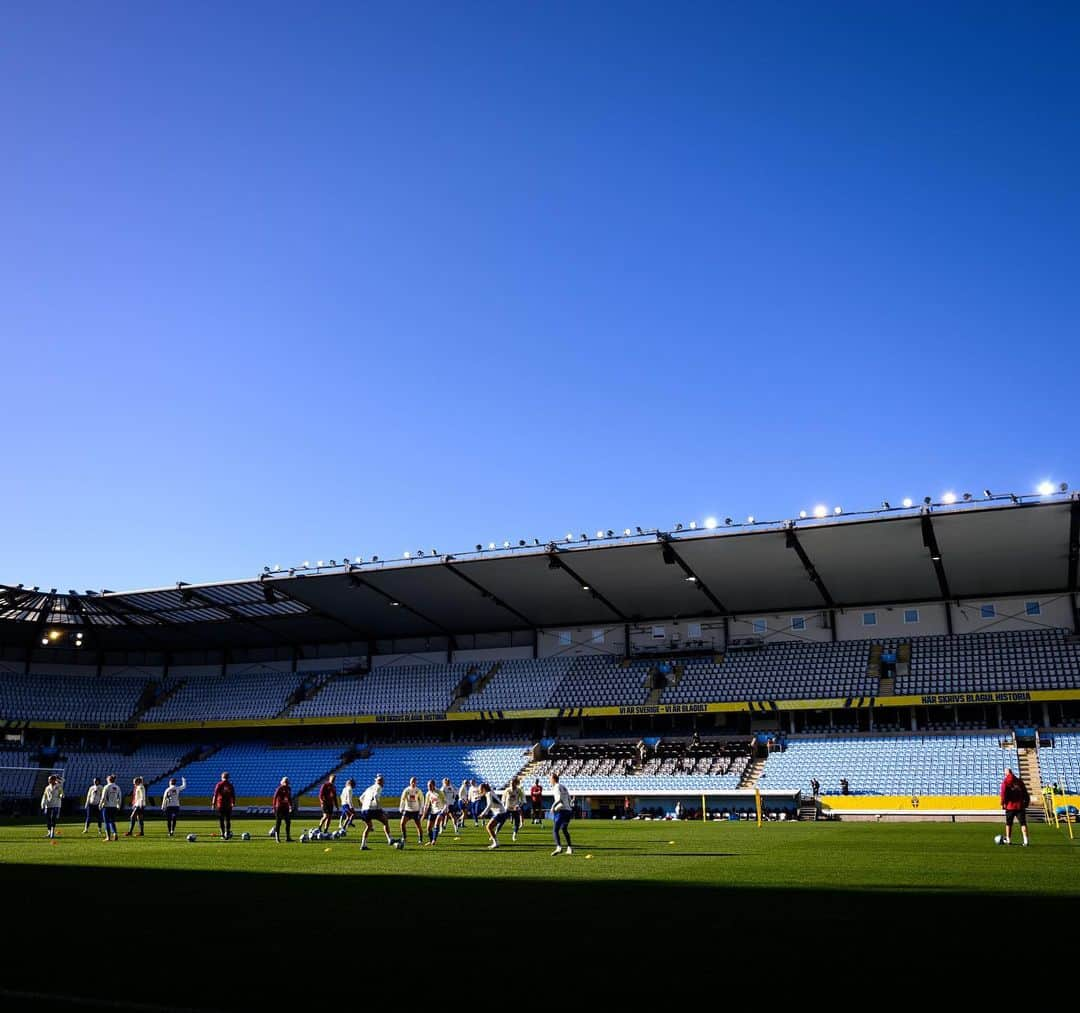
x=281, y=282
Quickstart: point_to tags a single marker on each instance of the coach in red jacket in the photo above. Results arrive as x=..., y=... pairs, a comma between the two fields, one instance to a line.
x=1014, y=800
x=223, y=801
x=328, y=801
x=283, y=808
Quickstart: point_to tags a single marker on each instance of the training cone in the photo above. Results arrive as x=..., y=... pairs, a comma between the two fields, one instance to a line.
x=588, y=856
x=671, y=842
x=325, y=850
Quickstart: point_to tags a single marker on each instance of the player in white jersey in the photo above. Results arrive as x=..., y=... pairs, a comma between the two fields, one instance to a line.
x=462, y=803
x=411, y=805
x=514, y=800
x=111, y=800
x=562, y=810
x=348, y=805
x=433, y=812
x=138, y=806
x=371, y=810
x=450, y=805
x=51, y=799
x=93, y=806
x=170, y=803
x=494, y=806
x=476, y=792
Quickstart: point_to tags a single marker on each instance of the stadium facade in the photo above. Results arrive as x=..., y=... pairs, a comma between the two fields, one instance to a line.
x=940, y=633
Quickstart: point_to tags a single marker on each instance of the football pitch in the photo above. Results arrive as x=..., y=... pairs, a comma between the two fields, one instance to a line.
x=293, y=915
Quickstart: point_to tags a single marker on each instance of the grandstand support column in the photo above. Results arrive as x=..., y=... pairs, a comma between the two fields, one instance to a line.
x=791, y=721
x=626, y=641
x=915, y=720
x=1000, y=722
x=1046, y=714
x=948, y=618
x=832, y=625
x=535, y=643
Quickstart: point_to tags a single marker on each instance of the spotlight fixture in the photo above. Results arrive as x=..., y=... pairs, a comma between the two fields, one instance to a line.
x=626, y=532
x=1045, y=489
x=521, y=541
x=536, y=541
x=585, y=587
x=750, y=519
x=374, y=559
x=407, y=555
x=584, y=537
x=967, y=497
x=44, y=641
x=599, y=534
x=639, y=531
x=610, y=533
x=907, y=501
x=569, y=536
x=396, y=604
x=434, y=552
x=727, y=520
x=693, y=525
x=710, y=523
x=506, y=545
x=491, y=545
x=690, y=580
x=266, y=569
x=333, y=562
x=885, y=505
x=306, y=564
x=419, y=552
x=678, y=527
x=949, y=498
x=820, y=510
x=1014, y=497
x=320, y=563
x=837, y=510
x=802, y=514
x=986, y=493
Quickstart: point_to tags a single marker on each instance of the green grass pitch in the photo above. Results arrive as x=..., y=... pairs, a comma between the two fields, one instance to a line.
x=846, y=885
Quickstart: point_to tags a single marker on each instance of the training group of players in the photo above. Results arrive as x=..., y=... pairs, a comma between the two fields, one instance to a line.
x=428, y=811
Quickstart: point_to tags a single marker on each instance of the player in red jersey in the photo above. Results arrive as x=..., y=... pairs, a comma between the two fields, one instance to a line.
x=328, y=800
x=223, y=800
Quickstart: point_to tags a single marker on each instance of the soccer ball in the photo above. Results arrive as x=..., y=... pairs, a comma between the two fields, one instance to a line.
x=191, y=838
x=400, y=845
x=245, y=836
x=999, y=839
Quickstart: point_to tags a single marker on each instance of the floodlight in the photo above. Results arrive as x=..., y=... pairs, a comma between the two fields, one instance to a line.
x=949, y=498
x=802, y=514
x=1045, y=489
x=820, y=510
x=693, y=525
x=750, y=519
x=710, y=523
x=837, y=510
x=907, y=501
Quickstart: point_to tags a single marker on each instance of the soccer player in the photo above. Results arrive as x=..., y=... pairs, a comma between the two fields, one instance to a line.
x=463, y=802
x=328, y=800
x=283, y=808
x=93, y=806
x=111, y=800
x=370, y=811
x=474, y=802
x=348, y=813
x=514, y=800
x=170, y=803
x=223, y=800
x=138, y=805
x=434, y=811
x=450, y=805
x=536, y=797
x=1014, y=800
x=562, y=810
x=51, y=798
x=412, y=801
x=494, y=805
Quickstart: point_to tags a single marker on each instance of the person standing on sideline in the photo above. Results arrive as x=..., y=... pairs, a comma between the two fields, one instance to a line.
x=223, y=800
x=170, y=803
x=111, y=800
x=283, y=807
x=51, y=798
x=1014, y=800
x=328, y=801
x=93, y=806
x=371, y=810
x=138, y=806
x=562, y=811
x=536, y=798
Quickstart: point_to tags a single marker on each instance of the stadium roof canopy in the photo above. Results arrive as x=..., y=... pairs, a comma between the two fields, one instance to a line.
x=942, y=553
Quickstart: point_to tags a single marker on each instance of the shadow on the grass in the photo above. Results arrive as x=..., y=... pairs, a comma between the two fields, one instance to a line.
x=270, y=932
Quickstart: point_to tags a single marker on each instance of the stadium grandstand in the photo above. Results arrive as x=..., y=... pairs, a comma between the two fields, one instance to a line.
x=897, y=659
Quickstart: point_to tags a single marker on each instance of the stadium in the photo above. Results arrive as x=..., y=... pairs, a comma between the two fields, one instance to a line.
x=539, y=503
x=731, y=694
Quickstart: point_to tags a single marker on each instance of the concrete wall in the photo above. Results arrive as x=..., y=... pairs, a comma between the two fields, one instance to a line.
x=778, y=625
x=429, y=658
x=582, y=641
x=890, y=622
x=1010, y=614
x=493, y=654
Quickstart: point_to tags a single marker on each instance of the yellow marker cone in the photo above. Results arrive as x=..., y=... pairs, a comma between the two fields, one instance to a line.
x=588, y=856
x=671, y=842
x=325, y=850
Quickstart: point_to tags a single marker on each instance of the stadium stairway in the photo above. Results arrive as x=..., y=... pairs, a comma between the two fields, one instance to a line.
x=314, y=690
x=151, y=697
x=808, y=808
x=1027, y=760
x=752, y=773
x=455, y=704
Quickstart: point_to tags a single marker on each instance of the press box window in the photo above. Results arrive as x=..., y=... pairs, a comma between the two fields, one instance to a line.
x=869, y=619
x=798, y=622
x=911, y=616
x=1032, y=608
x=760, y=628
x=564, y=638
x=988, y=611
